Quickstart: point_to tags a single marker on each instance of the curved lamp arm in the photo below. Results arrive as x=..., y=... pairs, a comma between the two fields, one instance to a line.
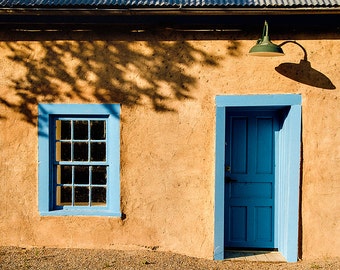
x=293, y=41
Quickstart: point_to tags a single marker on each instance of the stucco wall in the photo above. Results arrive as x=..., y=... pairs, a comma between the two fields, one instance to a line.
x=166, y=83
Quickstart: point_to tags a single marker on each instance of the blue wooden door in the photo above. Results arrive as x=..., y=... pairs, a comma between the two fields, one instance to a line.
x=250, y=178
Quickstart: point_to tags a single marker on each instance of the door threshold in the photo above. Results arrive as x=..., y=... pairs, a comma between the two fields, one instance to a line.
x=253, y=256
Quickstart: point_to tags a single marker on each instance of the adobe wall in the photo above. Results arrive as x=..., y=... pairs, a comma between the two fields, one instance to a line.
x=166, y=83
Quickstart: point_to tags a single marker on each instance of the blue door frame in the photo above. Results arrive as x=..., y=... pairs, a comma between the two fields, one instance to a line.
x=287, y=174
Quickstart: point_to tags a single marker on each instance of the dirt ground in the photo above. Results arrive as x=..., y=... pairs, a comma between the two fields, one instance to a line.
x=52, y=258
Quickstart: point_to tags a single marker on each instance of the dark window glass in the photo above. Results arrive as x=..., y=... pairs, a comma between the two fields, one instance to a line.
x=99, y=175
x=63, y=150
x=97, y=130
x=65, y=130
x=65, y=174
x=80, y=151
x=80, y=130
x=81, y=175
x=81, y=195
x=98, y=195
x=65, y=195
x=98, y=151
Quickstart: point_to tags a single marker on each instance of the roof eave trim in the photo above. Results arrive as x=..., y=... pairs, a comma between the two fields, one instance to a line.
x=170, y=11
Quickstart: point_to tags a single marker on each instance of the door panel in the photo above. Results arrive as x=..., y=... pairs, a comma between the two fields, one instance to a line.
x=250, y=179
x=238, y=223
x=239, y=145
x=263, y=216
x=264, y=142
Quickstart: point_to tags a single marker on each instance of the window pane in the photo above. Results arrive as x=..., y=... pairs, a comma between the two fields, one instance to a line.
x=81, y=196
x=99, y=175
x=63, y=151
x=81, y=175
x=98, y=151
x=63, y=130
x=80, y=130
x=98, y=195
x=98, y=130
x=64, y=174
x=64, y=196
x=80, y=151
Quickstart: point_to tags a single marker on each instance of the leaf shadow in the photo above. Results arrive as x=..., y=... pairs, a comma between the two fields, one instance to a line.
x=150, y=72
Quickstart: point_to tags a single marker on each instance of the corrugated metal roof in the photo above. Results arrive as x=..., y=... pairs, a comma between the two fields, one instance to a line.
x=166, y=3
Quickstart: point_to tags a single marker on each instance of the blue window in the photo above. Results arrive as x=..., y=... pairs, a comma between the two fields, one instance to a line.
x=79, y=158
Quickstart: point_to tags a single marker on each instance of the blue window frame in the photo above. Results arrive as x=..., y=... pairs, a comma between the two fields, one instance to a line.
x=79, y=159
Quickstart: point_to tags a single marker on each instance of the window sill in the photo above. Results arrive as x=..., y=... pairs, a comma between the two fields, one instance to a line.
x=84, y=213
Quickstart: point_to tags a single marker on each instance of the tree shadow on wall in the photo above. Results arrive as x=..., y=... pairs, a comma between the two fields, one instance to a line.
x=150, y=72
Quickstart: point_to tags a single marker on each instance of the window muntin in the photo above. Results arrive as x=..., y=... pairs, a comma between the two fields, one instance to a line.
x=80, y=162
x=81, y=185
x=80, y=174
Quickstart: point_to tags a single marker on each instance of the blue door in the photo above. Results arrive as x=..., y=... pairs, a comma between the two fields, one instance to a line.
x=250, y=178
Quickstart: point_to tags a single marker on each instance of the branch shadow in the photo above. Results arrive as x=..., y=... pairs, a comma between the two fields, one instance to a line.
x=151, y=73
x=304, y=73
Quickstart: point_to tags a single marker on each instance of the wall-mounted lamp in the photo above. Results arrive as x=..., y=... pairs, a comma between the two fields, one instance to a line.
x=264, y=47
x=302, y=72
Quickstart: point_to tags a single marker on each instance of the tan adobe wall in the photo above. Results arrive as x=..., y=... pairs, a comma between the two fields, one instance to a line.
x=166, y=82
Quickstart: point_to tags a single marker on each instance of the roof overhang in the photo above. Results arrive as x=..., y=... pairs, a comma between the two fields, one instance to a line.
x=171, y=11
x=215, y=18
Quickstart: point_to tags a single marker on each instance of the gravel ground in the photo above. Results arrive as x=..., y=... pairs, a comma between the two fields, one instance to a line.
x=52, y=258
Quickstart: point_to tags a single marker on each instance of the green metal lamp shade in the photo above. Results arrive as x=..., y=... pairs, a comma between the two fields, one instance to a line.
x=264, y=47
